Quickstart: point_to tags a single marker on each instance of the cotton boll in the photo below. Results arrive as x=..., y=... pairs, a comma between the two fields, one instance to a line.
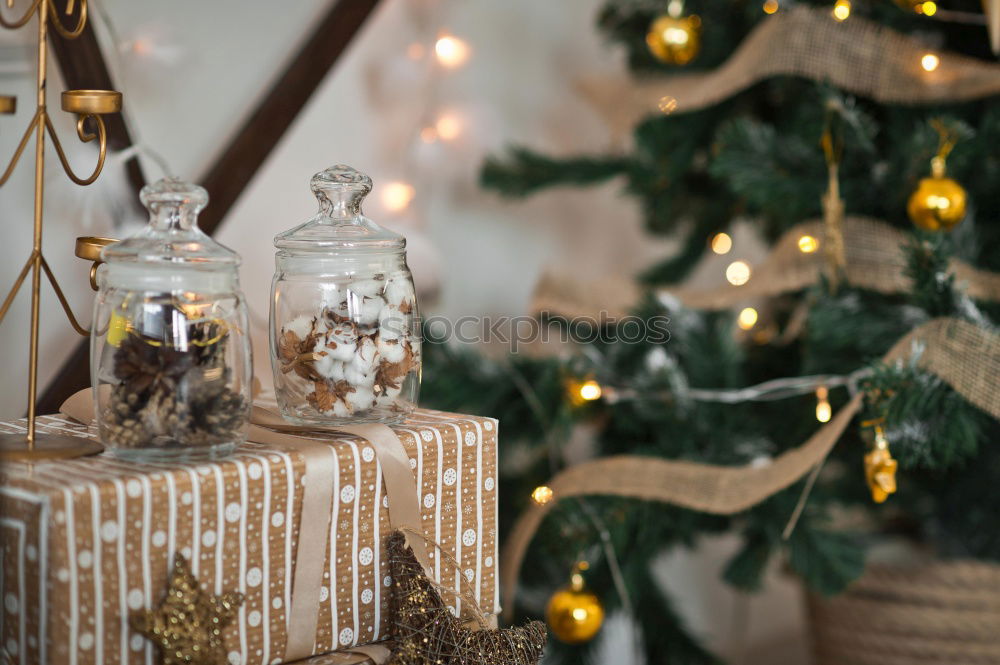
x=368, y=312
x=392, y=323
x=391, y=350
x=362, y=398
x=398, y=289
x=358, y=377
x=361, y=371
x=366, y=288
x=342, y=342
x=340, y=410
x=328, y=366
x=302, y=326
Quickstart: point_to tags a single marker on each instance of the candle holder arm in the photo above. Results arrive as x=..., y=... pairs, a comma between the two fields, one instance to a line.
x=14, y=25
x=57, y=24
x=86, y=137
x=17, y=286
x=20, y=150
x=62, y=300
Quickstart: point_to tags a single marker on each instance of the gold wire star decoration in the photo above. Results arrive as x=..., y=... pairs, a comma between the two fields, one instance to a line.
x=187, y=626
x=427, y=633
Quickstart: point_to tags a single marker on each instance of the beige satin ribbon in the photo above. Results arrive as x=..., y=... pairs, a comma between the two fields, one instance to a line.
x=310, y=555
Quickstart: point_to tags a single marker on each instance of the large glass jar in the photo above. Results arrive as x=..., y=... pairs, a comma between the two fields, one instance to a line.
x=345, y=336
x=170, y=357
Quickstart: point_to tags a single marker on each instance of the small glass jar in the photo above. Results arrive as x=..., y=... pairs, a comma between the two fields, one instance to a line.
x=170, y=357
x=345, y=334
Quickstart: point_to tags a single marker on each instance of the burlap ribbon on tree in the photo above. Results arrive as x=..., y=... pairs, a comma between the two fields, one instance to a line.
x=875, y=260
x=857, y=56
x=963, y=354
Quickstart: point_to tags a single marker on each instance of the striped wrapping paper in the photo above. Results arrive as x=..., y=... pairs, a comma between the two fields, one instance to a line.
x=87, y=542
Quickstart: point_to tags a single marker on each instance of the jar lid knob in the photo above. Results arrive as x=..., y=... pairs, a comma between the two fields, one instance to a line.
x=340, y=190
x=174, y=193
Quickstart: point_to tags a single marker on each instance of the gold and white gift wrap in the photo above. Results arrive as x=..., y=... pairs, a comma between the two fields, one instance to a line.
x=87, y=542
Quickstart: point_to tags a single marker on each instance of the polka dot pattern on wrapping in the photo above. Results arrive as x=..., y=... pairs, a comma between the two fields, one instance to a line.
x=346, y=636
x=488, y=484
x=470, y=438
x=233, y=512
x=109, y=531
x=426, y=435
x=367, y=454
x=366, y=596
x=450, y=476
x=428, y=501
x=277, y=519
x=469, y=538
x=365, y=556
x=135, y=599
x=347, y=493
x=254, y=576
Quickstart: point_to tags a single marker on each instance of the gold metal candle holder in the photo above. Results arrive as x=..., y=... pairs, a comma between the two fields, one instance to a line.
x=89, y=106
x=89, y=248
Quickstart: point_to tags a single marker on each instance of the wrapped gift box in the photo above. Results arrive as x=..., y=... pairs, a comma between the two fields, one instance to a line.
x=87, y=542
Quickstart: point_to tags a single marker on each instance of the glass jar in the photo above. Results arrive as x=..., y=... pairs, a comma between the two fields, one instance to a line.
x=345, y=334
x=170, y=357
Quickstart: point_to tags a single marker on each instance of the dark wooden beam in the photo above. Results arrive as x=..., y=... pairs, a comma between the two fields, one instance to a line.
x=83, y=66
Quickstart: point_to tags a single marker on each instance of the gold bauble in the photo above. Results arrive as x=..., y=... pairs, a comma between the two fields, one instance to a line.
x=938, y=204
x=574, y=614
x=675, y=40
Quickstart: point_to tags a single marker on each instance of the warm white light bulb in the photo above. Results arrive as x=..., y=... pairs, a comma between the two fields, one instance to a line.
x=396, y=196
x=590, y=390
x=738, y=273
x=451, y=51
x=721, y=243
x=808, y=244
x=930, y=62
x=448, y=126
x=747, y=318
x=842, y=10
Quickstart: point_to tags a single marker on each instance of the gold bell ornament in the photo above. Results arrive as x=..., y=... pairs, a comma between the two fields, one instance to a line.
x=673, y=38
x=880, y=468
x=939, y=202
x=574, y=614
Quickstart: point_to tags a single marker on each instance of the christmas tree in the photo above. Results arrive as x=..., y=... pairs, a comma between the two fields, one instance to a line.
x=872, y=175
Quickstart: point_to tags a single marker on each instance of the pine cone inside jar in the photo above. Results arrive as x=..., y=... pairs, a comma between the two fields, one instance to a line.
x=169, y=396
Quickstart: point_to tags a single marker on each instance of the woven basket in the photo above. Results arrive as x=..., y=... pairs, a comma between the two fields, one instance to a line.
x=941, y=613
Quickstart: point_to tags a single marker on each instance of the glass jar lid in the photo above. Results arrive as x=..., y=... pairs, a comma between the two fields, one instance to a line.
x=340, y=223
x=172, y=235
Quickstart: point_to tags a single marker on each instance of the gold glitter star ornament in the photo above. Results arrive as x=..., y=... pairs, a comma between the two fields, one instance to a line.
x=187, y=626
x=427, y=633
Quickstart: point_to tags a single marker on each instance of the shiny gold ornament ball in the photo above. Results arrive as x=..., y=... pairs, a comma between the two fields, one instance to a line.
x=675, y=40
x=938, y=204
x=574, y=614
